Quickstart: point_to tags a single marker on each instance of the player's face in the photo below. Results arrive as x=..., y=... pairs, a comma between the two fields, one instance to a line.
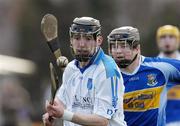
x=122, y=52
x=168, y=44
x=84, y=45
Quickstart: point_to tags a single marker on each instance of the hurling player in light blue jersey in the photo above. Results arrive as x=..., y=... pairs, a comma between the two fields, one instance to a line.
x=92, y=90
x=145, y=79
x=168, y=43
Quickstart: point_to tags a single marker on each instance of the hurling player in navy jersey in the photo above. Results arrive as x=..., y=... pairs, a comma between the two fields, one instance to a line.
x=145, y=79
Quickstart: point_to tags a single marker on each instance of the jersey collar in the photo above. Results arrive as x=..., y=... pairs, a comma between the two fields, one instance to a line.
x=94, y=60
x=161, y=55
x=141, y=59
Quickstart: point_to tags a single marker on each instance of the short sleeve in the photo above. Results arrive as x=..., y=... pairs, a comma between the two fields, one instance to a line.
x=169, y=67
x=61, y=93
x=109, y=97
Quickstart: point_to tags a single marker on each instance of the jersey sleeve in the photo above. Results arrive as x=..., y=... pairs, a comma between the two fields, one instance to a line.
x=61, y=93
x=109, y=96
x=172, y=70
x=169, y=67
x=174, y=78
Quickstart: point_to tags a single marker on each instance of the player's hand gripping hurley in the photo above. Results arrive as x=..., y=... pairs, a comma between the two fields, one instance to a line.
x=49, y=28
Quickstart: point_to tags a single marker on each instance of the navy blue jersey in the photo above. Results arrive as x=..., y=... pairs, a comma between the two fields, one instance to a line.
x=146, y=91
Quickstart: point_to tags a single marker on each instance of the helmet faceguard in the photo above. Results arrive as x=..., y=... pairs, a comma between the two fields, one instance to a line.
x=88, y=28
x=84, y=29
x=126, y=38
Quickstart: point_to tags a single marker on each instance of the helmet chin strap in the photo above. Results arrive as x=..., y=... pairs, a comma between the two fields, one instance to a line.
x=83, y=58
x=86, y=58
x=126, y=63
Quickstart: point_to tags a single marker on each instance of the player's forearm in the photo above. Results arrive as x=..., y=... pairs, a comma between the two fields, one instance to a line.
x=81, y=119
x=89, y=120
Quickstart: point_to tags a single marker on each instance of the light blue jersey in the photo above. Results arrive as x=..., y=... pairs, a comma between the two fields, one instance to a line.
x=146, y=91
x=96, y=89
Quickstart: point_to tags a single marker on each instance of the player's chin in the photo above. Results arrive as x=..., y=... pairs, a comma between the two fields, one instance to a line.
x=169, y=51
x=119, y=59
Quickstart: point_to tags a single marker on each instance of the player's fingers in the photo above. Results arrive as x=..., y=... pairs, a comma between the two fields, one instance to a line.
x=52, y=110
x=62, y=61
x=53, y=113
x=45, y=119
x=55, y=103
x=50, y=113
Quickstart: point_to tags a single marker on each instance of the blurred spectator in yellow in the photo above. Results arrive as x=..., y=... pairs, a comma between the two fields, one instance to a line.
x=168, y=40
